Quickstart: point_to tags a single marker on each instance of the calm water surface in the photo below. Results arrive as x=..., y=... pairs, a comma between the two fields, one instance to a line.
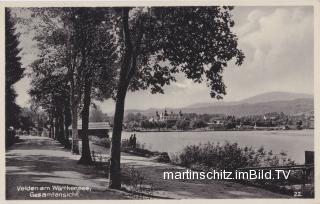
x=293, y=142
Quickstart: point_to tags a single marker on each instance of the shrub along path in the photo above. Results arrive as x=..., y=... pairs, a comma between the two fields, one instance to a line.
x=41, y=161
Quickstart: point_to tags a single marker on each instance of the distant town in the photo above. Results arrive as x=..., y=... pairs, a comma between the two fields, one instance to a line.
x=179, y=121
x=168, y=120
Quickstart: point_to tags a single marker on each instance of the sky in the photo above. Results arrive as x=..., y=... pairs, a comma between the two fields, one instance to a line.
x=278, y=45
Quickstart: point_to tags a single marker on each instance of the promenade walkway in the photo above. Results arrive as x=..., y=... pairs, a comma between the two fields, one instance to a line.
x=43, y=162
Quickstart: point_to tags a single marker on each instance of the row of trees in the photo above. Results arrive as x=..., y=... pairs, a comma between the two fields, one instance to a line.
x=177, y=124
x=272, y=119
x=193, y=121
x=14, y=71
x=75, y=64
x=101, y=53
x=152, y=125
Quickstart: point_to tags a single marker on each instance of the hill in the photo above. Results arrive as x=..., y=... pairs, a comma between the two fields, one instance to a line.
x=290, y=107
x=275, y=96
x=288, y=103
x=261, y=98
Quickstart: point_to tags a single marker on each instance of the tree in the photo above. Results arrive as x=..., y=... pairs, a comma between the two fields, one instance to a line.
x=49, y=90
x=60, y=35
x=27, y=121
x=80, y=44
x=14, y=71
x=156, y=43
x=182, y=124
x=299, y=124
x=90, y=68
x=50, y=72
x=97, y=56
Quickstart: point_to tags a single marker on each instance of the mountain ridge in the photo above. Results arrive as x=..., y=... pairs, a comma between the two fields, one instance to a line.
x=290, y=103
x=264, y=97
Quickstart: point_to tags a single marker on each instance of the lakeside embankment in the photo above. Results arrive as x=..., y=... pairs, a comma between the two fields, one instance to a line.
x=41, y=161
x=292, y=142
x=229, y=157
x=214, y=130
x=149, y=167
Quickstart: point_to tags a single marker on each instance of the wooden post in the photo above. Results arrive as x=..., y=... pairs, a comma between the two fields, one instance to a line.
x=309, y=159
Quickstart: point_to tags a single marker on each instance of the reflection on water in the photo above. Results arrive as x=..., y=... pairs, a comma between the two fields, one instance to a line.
x=293, y=142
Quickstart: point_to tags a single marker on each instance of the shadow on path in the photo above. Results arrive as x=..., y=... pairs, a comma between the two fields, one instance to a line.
x=43, y=162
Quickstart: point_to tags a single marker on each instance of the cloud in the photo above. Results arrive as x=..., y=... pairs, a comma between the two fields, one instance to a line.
x=279, y=52
x=278, y=45
x=185, y=86
x=252, y=22
x=280, y=32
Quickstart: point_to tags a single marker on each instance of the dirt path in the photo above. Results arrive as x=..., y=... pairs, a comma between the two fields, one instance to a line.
x=43, y=162
x=40, y=161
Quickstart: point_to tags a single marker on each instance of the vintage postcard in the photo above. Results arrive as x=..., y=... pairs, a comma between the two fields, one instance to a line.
x=142, y=100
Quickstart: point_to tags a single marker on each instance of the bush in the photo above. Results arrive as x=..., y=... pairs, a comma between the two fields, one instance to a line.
x=101, y=162
x=104, y=142
x=138, y=184
x=163, y=157
x=11, y=137
x=228, y=156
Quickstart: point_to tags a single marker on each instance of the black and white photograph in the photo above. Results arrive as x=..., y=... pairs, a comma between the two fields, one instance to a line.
x=144, y=102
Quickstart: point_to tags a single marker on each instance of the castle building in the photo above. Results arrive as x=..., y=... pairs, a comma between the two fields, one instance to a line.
x=165, y=116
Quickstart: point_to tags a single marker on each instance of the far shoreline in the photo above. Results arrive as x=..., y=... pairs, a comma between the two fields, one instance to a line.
x=248, y=130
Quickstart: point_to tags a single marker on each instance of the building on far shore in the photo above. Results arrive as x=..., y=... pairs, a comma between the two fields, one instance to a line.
x=99, y=129
x=164, y=116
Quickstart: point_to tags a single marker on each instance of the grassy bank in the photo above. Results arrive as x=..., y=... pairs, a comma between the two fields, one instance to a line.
x=227, y=156
x=231, y=157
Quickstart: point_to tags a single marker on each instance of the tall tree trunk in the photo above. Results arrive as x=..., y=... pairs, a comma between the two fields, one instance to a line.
x=56, y=128
x=66, y=125
x=85, y=153
x=67, y=141
x=61, y=128
x=49, y=132
x=74, y=118
x=74, y=124
x=115, y=168
x=52, y=126
x=59, y=134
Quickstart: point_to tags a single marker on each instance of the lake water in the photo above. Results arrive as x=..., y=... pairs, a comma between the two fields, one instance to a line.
x=293, y=142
